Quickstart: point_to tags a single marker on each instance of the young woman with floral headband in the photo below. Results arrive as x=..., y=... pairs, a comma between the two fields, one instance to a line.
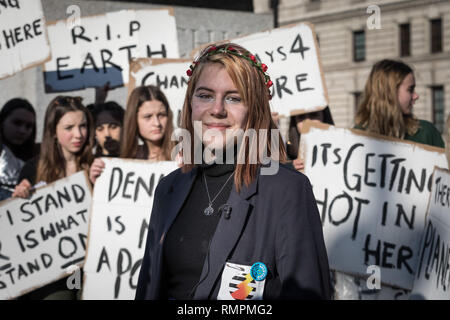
x=233, y=230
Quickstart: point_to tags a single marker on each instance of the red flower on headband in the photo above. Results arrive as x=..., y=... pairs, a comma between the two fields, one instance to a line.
x=189, y=72
x=252, y=57
x=231, y=49
x=269, y=83
x=264, y=67
x=213, y=48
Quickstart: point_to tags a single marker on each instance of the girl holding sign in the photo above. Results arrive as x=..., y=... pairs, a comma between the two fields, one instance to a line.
x=66, y=149
x=240, y=229
x=388, y=100
x=148, y=118
x=66, y=143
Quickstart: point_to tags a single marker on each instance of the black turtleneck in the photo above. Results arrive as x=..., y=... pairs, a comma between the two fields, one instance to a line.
x=187, y=241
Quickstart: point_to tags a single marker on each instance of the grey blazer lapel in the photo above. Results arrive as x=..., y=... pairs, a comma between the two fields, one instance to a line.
x=224, y=240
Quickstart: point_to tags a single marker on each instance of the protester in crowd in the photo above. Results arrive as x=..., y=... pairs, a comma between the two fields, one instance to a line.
x=233, y=230
x=295, y=126
x=108, y=123
x=387, y=105
x=67, y=141
x=17, y=142
x=149, y=119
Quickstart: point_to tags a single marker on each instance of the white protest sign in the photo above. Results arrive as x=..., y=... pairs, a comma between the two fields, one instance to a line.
x=432, y=279
x=42, y=237
x=23, y=36
x=372, y=194
x=121, y=207
x=167, y=74
x=292, y=55
x=99, y=49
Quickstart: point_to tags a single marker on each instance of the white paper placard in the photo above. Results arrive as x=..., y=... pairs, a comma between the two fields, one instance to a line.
x=42, y=237
x=23, y=36
x=99, y=49
x=121, y=208
x=432, y=279
x=167, y=74
x=372, y=193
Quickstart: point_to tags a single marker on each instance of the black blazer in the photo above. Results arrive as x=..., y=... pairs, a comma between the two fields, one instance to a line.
x=275, y=221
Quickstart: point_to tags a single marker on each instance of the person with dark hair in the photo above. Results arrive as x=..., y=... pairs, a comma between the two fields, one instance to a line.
x=295, y=126
x=17, y=142
x=242, y=229
x=148, y=119
x=108, y=122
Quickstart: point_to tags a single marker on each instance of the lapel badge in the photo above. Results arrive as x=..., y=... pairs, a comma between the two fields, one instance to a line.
x=258, y=271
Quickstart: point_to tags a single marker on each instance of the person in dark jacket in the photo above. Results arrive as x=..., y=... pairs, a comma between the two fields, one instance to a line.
x=244, y=229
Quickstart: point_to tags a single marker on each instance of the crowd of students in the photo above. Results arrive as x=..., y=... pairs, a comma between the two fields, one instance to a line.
x=227, y=88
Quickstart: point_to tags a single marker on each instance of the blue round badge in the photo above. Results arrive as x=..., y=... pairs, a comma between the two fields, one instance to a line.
x=258, y=271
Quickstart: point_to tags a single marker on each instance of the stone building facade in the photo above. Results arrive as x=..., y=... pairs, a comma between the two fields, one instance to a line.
x=354, y=34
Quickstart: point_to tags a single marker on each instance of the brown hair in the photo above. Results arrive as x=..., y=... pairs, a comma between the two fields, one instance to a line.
x=251, y=85
x=52, y=165
x=130, y=132
x=379, y=111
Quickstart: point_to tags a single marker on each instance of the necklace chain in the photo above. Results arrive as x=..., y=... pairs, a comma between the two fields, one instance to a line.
x=209, y=210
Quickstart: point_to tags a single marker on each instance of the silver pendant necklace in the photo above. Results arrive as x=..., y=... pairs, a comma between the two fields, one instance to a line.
x=209, y=210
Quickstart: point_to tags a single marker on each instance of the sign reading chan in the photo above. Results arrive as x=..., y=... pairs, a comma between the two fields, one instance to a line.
x=372, y=194
x=99, y=49
x=167, y=74
x=292, y=56
x=23, y=36
x=41, y=237
x=120, y=212
x=432, y=279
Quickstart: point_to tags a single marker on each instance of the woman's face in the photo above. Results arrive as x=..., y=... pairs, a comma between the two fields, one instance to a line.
x=218, y=105
x=72, y=132
x=407, y=95
x=18, y=126
x=313, y=116
x=152, y=120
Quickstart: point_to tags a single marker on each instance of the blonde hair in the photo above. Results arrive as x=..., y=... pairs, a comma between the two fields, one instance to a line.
x=379, y=110
x=251, y=85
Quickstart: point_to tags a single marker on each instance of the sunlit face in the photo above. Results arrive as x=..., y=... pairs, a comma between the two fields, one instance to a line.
x=406, y=94
x=218, y=105
x=18, y=126
x=316, y=117
x=152, y=120
x=102, y=132
x=72, y=132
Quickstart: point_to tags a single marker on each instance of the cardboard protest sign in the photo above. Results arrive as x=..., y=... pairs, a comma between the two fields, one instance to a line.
x=372, y=192
x=432, y=279
x=99, y=49
x=292, y=56
x=121, y=207
x=167, y=74
x=41, y=237
x=23, y=36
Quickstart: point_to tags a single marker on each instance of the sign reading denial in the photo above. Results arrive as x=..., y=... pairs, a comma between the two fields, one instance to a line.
x=23, y=36
x=42, y=236
x=121, y=207
x=167, y=74
x=293, y=59
x=372, y=194
x=99, y=49
x=433, y=271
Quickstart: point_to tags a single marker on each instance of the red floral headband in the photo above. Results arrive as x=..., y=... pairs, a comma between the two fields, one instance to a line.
x=228, y=49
